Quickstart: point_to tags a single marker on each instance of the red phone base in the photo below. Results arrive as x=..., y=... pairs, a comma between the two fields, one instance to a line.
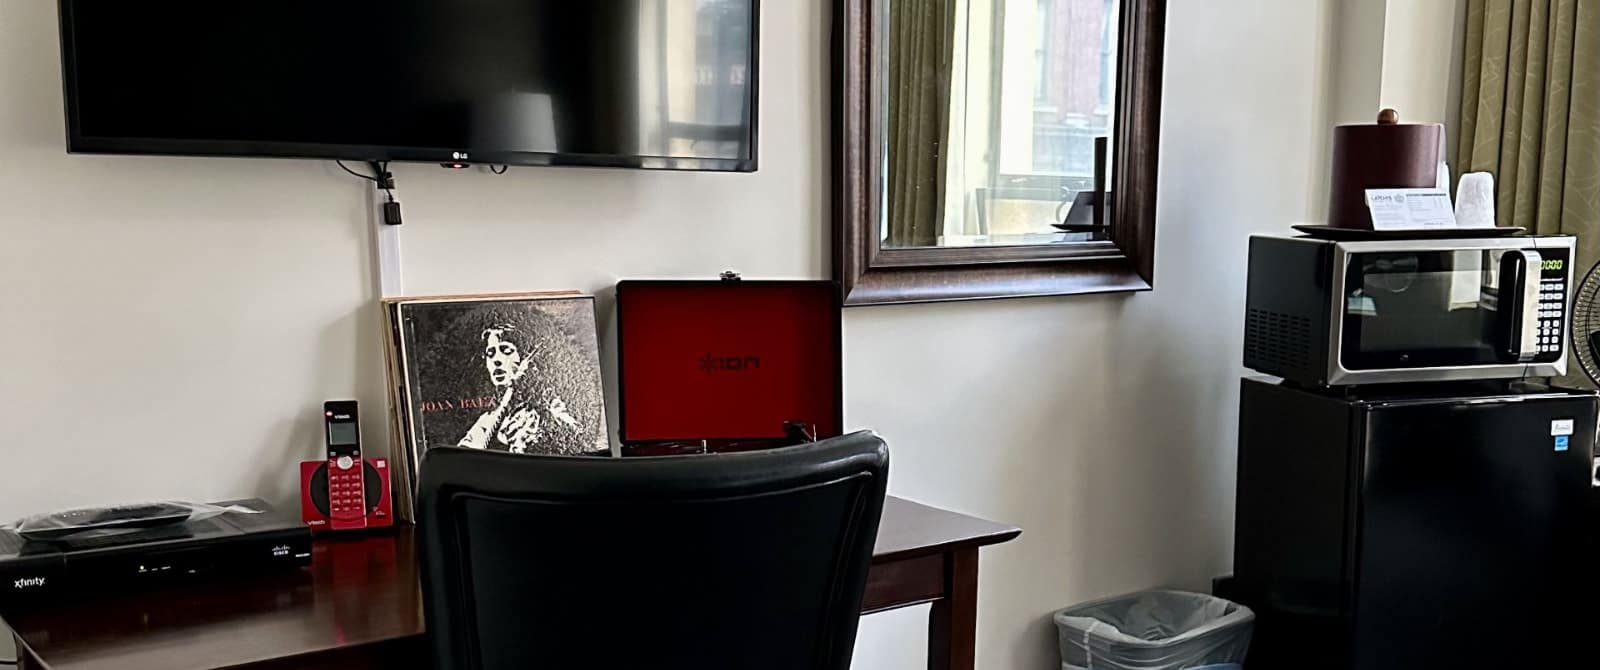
x=315, y=499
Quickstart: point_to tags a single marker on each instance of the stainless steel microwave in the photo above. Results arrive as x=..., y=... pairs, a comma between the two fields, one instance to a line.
x=1330, y=313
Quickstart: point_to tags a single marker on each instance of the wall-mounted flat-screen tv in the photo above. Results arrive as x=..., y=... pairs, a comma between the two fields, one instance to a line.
x=623, y=83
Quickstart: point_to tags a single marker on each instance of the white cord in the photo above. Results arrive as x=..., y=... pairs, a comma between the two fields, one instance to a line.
x=386, y=243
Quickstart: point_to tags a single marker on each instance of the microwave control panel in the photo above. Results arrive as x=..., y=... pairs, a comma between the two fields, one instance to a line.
x=1553, y=273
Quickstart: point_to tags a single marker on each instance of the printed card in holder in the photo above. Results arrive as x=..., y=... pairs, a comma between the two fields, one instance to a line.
x=1410, y=208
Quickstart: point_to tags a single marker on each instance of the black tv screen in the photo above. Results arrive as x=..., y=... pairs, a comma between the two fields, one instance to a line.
x=625, y=83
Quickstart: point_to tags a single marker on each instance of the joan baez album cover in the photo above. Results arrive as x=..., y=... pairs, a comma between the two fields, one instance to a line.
x=518, y=374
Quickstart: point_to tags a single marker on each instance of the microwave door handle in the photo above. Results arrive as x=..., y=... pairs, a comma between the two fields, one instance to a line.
x=1519, y=291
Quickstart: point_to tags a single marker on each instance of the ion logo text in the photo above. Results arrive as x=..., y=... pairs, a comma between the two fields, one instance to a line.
x=712, y=363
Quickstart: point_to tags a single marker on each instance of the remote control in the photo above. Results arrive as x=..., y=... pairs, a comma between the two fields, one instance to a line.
x=65, y=524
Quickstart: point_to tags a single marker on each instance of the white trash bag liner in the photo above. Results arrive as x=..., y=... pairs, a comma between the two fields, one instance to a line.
x=1154, y=630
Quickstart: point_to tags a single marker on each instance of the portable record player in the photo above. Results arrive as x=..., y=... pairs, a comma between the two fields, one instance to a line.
x=730, y=365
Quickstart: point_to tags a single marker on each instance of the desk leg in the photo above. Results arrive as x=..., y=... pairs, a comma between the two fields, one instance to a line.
x=953, y=623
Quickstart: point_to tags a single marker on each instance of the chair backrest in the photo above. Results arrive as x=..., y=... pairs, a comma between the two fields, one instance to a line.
x=724, y=561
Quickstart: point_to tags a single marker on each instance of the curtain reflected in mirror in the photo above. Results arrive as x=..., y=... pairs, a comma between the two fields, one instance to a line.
x=994, y=108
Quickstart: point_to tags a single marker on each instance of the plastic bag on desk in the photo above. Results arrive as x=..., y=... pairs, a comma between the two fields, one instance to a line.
x=116, y=519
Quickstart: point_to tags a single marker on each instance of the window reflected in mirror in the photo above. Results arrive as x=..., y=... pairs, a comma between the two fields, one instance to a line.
x=994, y=108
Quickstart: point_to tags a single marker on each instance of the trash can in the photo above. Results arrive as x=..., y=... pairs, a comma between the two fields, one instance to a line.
x=1155, y=630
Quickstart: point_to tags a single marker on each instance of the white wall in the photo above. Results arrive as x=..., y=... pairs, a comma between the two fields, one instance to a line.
x=171, y=324
x=1403, y=54
x=1105, y=426
x=1358, y=34
x=1423, y=42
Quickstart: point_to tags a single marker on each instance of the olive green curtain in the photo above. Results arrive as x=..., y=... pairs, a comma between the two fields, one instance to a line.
x=1530, y=113
x=921, y=34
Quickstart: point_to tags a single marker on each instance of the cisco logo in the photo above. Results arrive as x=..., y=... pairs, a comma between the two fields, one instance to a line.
x=28, y=583
x=281, y=551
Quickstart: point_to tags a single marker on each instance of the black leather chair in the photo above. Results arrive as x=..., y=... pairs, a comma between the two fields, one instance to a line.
x=727, y=561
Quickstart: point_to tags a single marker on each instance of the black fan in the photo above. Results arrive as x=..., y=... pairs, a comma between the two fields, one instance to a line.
x=1585, y=336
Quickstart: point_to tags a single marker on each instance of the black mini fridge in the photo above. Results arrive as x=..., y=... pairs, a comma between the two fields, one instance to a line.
x=1412, y=528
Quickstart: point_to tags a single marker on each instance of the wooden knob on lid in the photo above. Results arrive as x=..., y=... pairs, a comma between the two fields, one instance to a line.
x=1388, y=117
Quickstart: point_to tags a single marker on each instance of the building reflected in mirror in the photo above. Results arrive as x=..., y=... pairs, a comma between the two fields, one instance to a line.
x=696, y=70
x=994, y=108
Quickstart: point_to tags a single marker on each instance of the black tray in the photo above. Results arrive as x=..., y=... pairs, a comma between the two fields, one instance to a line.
x=1354, y=235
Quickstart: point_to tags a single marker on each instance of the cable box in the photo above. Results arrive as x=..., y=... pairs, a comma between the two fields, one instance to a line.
x=228, y=545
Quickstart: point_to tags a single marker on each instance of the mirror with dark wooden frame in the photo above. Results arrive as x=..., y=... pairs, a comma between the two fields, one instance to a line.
x=995, y=148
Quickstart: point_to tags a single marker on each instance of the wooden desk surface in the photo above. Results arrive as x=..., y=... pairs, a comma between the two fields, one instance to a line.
x=361, y=597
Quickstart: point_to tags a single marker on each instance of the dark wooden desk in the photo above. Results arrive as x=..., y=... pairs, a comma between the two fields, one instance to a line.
x=360, y=606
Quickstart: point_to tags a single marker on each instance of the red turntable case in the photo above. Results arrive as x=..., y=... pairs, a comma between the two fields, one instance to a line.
x=727, y=365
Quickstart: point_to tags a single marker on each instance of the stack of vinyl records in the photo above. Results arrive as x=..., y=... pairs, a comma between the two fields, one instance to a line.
x=513, y=372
